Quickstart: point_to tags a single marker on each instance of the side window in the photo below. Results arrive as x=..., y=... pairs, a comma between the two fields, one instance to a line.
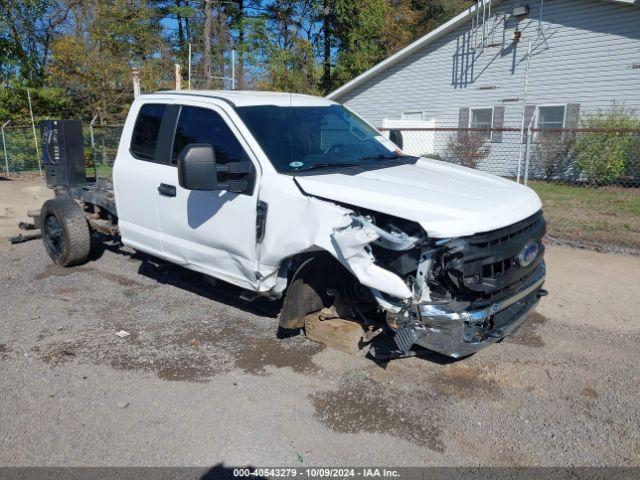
x=551, y=117
x=482, y=118
x=201, y=125
x=145, y=131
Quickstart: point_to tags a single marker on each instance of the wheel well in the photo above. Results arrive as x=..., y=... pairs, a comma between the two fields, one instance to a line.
x=315, y=279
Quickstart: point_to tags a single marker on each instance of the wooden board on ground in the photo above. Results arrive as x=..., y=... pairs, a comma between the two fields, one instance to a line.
x=343, y=335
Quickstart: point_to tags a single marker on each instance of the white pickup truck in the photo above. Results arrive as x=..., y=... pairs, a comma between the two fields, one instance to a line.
x=295, y=197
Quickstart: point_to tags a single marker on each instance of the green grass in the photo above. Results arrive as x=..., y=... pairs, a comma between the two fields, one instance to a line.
x=103, y=170
x=606, y=217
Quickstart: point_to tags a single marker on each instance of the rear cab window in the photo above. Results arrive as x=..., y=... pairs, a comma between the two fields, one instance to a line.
x=146, y=130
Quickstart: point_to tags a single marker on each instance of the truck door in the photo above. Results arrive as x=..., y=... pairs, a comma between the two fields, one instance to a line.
x=136, y=175
x=212, y=232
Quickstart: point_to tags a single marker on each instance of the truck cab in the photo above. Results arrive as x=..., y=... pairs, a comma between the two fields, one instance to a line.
x=296, y=198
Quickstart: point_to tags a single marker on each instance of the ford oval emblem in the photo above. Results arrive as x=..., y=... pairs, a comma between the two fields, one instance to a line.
x=528, y=254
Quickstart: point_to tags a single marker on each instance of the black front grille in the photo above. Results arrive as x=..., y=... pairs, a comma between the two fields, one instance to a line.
x=487, y=270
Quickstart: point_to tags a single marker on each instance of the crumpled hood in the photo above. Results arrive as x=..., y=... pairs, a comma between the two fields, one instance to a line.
x=447, y=200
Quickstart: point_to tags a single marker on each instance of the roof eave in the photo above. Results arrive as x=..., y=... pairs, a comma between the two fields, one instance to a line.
x=399, y=55
x=429, y=37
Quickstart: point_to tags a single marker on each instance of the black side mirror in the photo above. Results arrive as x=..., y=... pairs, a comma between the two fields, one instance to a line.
x=395, y=136
x=198, y=170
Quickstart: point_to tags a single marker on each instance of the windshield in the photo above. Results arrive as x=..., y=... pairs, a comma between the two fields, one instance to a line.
x=303, y=138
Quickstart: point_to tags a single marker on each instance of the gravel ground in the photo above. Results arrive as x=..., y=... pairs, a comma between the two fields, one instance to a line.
x=203, y=380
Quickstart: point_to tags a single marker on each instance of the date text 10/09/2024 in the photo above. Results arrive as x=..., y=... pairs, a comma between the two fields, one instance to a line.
x=316, y=472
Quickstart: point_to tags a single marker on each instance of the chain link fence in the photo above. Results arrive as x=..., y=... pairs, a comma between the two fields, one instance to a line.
x=590, y=157
x=581, y=156
x=558, y=164
x=18, y=152
x=587, y=178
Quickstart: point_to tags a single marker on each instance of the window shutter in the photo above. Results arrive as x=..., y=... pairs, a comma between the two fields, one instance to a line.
x=528, y=115
x=572, y=115
x=498, y=122
x=463, y=118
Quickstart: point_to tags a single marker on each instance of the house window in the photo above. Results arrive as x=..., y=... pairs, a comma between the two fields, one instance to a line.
x=481, y=118
x=551, y=117
x=411, y=116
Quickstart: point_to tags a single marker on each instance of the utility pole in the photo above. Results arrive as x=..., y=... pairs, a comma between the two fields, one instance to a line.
x=4, y=146
x=233, y=69
x=207, y=43
x=35, y=137
x=189, y=68
x=178, y=75
x=136, y=82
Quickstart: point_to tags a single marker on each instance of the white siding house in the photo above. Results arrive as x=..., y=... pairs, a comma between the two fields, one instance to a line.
x=471, y=72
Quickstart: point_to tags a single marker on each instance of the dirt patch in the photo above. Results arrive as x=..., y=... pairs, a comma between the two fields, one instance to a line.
x=65, y=291
x=4, y=351
x=527, y=334
x=56, y=354
x=189, y=354
x=7, y=213
x=589, y=392
x=17, y=197
x=178, y=368
x=120, y=279
x=53, y=270
x=186, y=374
x=257, y=353
x=199, y=335
x=194, y=353
x=594, y=289
x=461, y=381
x=364, y=408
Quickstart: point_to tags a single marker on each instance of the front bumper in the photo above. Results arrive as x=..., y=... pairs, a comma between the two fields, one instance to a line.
x=458, y=334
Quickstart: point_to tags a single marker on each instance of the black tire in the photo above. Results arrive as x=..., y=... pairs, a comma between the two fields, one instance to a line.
x=65, y=231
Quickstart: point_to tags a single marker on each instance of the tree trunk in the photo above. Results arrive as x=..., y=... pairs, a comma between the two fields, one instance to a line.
x=326, y=27
x=240, y=57
x=181, y=39
x=187, y=28
x=207, y=44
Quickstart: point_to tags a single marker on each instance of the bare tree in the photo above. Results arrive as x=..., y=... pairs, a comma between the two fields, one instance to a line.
x=326, y=29
x=207, y=43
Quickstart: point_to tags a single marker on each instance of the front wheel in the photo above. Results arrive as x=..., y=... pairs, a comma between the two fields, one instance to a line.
x=65, y=231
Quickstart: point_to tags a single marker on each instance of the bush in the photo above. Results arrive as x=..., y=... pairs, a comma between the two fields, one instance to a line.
x=46, y=102
x=467, y=148
x=551, y=150
x=605, y=156
x=21, y=150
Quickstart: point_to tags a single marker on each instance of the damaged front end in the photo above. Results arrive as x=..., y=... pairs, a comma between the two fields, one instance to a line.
x=452, y=296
